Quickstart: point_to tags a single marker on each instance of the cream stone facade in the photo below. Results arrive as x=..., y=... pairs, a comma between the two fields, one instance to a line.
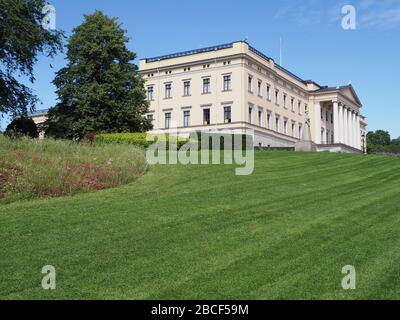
x=234, y=86
x=39, y=117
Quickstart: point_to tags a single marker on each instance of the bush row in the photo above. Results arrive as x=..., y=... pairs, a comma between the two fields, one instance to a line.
x=139, y=139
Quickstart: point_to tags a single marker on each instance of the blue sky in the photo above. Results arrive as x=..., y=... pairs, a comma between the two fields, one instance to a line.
x=315, y=46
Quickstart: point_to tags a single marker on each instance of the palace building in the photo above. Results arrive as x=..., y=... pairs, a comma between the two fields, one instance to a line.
x=234, y=86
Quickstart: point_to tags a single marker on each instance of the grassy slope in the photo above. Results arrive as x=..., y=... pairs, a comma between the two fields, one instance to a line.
x=201, y=232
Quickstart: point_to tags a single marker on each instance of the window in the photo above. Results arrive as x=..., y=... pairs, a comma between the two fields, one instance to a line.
x=292, y=104
x=168, y=91
x=277, y=96
x=284, y=100
x=293, y=130
x=299, y=106
x=277, y=123
x=206, y=85
x=322, y=114
x=150, y=117
x=186, y=88
x=227, y=115
x=250, y=114
x=260, y=118
x=268, y=120
x=300, y=131
x=268, y=92
x=150, y=91
x=327, y=136
x=227, y=83
x=167, y=120
x=285, y=126
x=250, y=84
x=186, y=118
x=331, y=117
x=206, y=117
x=327, y=116
x=259, y=88
x=305, y=107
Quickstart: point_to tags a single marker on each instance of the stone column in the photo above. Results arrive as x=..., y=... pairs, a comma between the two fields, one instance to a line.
x=317, y=122
x=340, y=122
x=354, y=131
x=358, y=131
x=349, y=128
x=336, y=133
x=345, y=125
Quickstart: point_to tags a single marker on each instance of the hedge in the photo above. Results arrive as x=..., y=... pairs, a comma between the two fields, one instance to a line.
x=246, y=144
x=135, y=138
x=139, y=139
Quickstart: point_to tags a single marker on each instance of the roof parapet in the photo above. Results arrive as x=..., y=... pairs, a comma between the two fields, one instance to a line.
x=190, y=52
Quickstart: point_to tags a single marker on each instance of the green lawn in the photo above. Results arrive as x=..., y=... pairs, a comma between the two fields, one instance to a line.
x=200, y=232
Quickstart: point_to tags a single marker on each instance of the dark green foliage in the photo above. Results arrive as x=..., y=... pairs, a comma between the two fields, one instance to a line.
x=396, y=142
x=100, y=89
x=379, y=137
x=380, y=141
x=22, y=126
x=22, y=38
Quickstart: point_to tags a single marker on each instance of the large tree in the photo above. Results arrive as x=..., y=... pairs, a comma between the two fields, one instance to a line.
x=100, y=89
x=22, y=126
x=379, y=137
x=22, y=38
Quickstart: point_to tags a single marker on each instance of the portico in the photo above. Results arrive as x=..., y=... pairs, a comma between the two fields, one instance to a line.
x=336, y=116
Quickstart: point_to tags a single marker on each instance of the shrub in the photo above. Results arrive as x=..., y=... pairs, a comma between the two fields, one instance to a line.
x=22, y=126
x=135, y=138
x=247, y=144
x=88, y=137
x=139, y=139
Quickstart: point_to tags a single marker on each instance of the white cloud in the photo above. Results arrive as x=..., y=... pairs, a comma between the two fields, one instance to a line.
x=378, y=16
x=382, y=14
x=306, y=12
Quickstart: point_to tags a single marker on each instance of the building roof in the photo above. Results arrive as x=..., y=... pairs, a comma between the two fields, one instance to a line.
x=340, y=88
x=37, y=113
x=328, y=89
x=190, y=52
x=221, y=47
